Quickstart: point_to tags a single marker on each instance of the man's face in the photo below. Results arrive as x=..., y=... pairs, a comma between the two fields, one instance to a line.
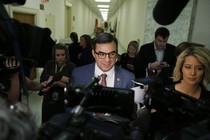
x=105, y=55
x=161, y=42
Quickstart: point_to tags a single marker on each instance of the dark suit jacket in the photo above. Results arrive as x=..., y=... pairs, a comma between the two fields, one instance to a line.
x=147, y=55
x=83, y=76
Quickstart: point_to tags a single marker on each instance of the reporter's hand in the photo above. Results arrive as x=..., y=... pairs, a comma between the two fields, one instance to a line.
x=129, y=66
x=155, y=65
x=60, y=84
x=11, y=62
x=163, y=65
x=64, y=79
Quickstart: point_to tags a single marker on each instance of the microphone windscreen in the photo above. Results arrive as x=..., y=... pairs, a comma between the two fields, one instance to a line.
x=16, y=2
x=167, y=11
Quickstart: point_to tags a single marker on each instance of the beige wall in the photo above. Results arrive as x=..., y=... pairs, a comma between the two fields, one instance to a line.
x=133, y=19
x=130, y=20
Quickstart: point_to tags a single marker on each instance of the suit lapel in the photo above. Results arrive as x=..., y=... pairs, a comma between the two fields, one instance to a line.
x=118, y=82
x=91, y=71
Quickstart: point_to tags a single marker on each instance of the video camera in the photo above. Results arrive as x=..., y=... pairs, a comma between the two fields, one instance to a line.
x=24, y=40
x=166, y=99
x=19, y=2
x=29, y=44
x=81, y=123
x=174, y=112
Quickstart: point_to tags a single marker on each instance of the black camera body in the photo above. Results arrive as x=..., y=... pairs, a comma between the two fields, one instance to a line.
x=82, y=121
x=85, y=127
x=19, y=2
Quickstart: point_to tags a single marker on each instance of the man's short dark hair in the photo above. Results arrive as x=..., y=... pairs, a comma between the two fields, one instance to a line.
x=104, y=38
x=74, y=37
x=163, y=32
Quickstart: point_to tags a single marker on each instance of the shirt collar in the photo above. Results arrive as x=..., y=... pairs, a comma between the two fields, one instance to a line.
x=98, y=71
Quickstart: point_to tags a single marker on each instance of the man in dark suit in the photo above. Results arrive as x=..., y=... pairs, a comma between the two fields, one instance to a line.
x=105, y=52
x=157, y=57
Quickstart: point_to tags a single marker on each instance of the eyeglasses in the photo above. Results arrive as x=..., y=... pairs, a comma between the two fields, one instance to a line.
x=103, y=55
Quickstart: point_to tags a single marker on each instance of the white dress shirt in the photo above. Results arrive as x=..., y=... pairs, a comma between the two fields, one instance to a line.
x=110, y=75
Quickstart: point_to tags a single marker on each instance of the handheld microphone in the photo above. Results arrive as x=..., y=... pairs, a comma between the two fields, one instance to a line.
x=95, y=81
x=142, y=121
x=79, y=109
x=166, y=11
x=56, y=77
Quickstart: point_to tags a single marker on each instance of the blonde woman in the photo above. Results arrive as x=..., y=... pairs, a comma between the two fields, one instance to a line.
x=192, y=73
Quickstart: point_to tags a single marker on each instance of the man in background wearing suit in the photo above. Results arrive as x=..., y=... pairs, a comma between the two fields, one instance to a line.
x=157, y=57
x=105, y=50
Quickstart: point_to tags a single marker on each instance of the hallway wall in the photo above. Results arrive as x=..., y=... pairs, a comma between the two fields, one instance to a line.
x=133, y=20
x=83, y=19
x=130, y=22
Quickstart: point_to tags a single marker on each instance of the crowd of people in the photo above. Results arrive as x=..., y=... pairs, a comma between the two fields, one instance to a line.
x=184, y=69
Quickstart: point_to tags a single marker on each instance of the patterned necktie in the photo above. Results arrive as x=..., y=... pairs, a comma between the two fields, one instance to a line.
x=103, y=80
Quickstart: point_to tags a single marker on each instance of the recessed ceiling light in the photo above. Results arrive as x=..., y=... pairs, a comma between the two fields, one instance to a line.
x=102, y=0
x=104, y=10
x=104, y=15
x=103, y=6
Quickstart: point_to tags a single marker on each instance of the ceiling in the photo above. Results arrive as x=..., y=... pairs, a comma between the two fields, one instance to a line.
x=113, y=6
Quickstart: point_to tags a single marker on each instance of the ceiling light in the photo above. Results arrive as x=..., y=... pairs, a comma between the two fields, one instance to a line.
x=102, y=0
x=103, y=6
x=104, y=15
x=104, y=10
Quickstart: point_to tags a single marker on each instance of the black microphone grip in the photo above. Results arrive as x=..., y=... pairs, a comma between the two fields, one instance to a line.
x=87, y=93
x=95, y=81
x=88, y=88
x=56, y=77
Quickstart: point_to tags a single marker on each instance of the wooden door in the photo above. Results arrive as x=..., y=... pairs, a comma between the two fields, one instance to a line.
x=24, y=17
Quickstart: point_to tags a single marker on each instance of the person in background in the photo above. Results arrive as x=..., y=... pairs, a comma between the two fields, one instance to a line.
x=127, y=60
x=74, y=48
x=47, y=43
x=167, y=74
x=156, y=56
x=53, y=101
x=85, y=57
x=183, y=45
x=97, y=31
x=191, y=76
x=105, y=50
x=192, y=73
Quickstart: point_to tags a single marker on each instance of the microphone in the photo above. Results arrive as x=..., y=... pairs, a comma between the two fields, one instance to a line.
x=56, y=77
x=79, y=109
x=95, y=81
x=142, y=121
x=166, y=11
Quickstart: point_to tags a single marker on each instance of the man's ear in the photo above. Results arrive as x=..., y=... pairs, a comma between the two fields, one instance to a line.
x=93, y=53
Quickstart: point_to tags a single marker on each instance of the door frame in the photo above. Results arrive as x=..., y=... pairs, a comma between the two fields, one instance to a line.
x=12, y=9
